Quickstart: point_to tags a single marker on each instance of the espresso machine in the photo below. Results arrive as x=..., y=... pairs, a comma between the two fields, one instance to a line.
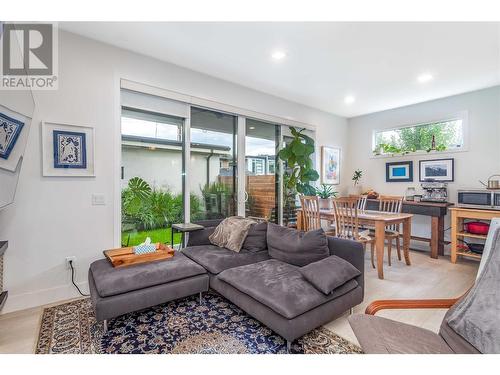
x=434, y=191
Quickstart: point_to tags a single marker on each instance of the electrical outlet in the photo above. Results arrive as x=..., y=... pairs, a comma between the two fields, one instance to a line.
x=72, y=259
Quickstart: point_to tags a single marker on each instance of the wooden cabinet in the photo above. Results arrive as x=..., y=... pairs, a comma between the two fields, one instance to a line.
x=458, y=216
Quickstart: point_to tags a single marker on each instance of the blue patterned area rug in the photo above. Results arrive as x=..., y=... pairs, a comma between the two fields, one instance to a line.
x=180, y=327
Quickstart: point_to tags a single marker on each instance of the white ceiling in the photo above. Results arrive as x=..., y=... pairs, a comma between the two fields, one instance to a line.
x=377, y=63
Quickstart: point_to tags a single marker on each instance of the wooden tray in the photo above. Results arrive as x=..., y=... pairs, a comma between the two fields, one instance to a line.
x=126, y=257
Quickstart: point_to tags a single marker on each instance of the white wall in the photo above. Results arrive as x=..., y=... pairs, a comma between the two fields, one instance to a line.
x=53, y=218
x=480, y=161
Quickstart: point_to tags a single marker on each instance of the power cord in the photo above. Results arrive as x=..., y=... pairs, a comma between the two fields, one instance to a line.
x=73, y=279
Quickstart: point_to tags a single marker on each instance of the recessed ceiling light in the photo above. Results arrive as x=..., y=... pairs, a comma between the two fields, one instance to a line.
x=349, y=99
x=425, y=77
x=278, y=55
x=251, y=127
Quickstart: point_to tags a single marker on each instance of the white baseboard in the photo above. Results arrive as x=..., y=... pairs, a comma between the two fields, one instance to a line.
x=42, y=297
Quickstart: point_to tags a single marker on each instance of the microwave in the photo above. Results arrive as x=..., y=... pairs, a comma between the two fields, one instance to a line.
x=485, y=199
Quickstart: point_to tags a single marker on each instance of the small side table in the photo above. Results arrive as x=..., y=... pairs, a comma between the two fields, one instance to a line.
x=184, y=228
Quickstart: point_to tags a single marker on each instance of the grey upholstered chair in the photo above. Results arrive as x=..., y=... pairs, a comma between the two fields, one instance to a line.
x=471, y=325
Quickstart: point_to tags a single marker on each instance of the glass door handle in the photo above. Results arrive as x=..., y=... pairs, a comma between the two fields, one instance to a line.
x=246, y=196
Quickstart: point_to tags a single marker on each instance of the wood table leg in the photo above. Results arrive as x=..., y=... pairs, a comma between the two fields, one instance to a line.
x=379, y=247
x=434, y=236
x=406, y=240
x=454, y=230
x=441, y=235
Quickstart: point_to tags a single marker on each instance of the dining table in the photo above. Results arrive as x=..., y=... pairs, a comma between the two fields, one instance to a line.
x=380, y=221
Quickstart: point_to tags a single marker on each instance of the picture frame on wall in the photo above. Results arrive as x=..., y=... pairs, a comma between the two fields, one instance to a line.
x=14, y=128
x=401, y=171
x=67, y=150
x=330, y=165
x=10, y=129
x=442, y=170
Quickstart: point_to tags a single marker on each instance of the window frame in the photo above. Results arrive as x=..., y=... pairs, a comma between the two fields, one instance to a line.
x=462, y=115
x=179, y=105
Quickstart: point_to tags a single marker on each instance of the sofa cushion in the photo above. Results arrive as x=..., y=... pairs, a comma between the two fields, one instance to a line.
x=231, y=233
x=200, y=237
x=298, y=248
x=217, y=259
x=378, y=335
x=280, y=286
x=110, y=281
x=329, y=273
x=256, y=238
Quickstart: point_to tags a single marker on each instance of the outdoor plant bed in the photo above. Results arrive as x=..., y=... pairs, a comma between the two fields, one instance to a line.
x=161, y=235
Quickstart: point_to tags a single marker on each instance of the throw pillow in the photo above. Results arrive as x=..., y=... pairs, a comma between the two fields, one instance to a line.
x=200, y=237
x=329, y=274
x=256, y=238
x=231, y=233
x=298, y=248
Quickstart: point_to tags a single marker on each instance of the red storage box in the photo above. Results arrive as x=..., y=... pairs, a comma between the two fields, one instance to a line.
x=477, y=227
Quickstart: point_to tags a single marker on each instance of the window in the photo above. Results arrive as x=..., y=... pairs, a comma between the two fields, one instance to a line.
x=146, y=125
x=261, y=143
x=163, y=181
x=151, y=176
x=438, y=136
x=213, y=164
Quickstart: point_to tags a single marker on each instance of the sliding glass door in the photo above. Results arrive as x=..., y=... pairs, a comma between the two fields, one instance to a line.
x=151, y=175
x=162, y=175
x=213, y=164
x=261, y=173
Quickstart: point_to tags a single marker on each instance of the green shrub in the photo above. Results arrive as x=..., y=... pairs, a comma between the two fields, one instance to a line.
x=146, y=208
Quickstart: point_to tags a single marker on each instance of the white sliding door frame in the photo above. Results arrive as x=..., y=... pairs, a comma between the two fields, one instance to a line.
x=241, y=165
x=186, y=156
x=279, y=165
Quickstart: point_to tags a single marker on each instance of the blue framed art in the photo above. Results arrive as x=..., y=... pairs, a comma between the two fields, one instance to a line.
x=10, y=129
x=67, y=150
x=401, y=171
x=70, y=149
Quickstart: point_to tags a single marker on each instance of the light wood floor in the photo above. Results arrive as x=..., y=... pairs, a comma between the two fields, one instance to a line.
x=425, y=278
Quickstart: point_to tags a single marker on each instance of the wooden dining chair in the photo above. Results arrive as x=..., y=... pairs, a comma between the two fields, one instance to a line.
x=310, y=213
x=347, y=223
x=362, y=199
x=393, y=204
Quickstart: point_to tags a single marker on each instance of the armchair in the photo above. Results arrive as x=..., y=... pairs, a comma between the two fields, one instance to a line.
x=470, y=326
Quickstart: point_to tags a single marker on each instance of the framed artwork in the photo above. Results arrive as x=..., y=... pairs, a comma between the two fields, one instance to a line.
x=14, y=129
x=330, y=165
x=401, y=171
x=10, y=128
x=68, y=150
x=438, y=170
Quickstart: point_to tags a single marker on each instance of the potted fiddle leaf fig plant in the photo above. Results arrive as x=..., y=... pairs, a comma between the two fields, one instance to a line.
x=299, y=171
x=325, y=193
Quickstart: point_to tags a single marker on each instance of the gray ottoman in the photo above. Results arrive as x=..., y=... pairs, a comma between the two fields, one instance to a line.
x=117, y=291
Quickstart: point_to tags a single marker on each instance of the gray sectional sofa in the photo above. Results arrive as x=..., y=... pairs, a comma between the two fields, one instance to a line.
x=290, y=281
x=274, y=291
